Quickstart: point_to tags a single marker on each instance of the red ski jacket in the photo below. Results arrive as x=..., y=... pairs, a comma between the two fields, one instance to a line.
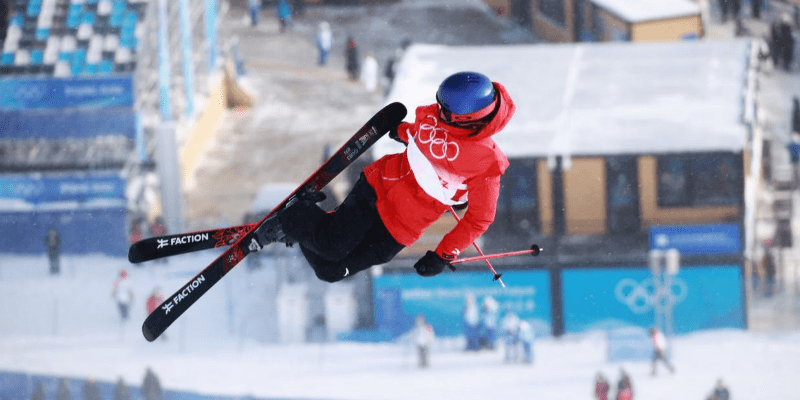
x=442, y=166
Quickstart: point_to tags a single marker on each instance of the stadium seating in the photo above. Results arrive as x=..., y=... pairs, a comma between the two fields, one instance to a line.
x=66, y=38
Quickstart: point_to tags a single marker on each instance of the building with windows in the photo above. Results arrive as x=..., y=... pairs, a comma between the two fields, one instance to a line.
x=615, y=147
x=605, y=20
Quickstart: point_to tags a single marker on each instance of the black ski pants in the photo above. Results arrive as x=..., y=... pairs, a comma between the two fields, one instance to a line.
x=341, y=243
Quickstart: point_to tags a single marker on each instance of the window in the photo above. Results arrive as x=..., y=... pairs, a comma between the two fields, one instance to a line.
x=518, y=205
x=554, y=10
x=699, y=180
x=623, y=194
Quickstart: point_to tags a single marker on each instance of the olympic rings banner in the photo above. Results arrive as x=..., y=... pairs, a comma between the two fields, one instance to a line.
x=40, y=93
x=703, y=297
x=399, y=298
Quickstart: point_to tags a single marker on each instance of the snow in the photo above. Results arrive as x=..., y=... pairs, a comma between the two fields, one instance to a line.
x=649, y=10
x=597, y=98
x=68, y=326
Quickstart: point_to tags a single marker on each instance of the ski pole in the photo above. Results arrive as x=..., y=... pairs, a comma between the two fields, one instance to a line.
x=534, y=251
x=488, y=264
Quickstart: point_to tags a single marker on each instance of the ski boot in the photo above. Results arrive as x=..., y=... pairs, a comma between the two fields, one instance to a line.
x=271, y=230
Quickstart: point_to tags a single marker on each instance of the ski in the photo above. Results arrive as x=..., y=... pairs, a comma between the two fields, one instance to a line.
x=174, y=306
x=156, y=247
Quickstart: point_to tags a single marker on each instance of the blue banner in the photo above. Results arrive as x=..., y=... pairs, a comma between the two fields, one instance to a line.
x=83, y=230
x=704, y=297
x=400, y=298
x=52, y=188
x=50, y=124
x=697, y=239
x=39, y=93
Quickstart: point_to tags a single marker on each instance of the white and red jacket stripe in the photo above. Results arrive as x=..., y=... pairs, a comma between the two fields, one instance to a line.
x=442, y=166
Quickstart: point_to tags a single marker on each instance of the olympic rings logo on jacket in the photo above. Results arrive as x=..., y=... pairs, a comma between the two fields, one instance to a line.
x=436, y=138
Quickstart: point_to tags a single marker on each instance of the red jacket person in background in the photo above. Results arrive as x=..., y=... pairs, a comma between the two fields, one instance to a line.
x=450, y=159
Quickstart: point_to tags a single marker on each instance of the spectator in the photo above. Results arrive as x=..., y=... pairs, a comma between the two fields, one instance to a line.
x=624, y=386
x=723, y=8
x=510, y=326
x=489, y=317
x=352, y=60
x=735, y=8
x=774, y=47
x=53, y=242
x=136, y=232
x=720, y=391
x=324, y=41
x=157, y=228
x=755, y=8
x=472, y=319
x=39, y=392
x=284, y=15
x=369, y=73
x=526, y=336
x=62, y=393
x=782, y=42
x=151, y=387
x=255, y=8
x=423, y=337
x=123, y=294
x=786, y=41
x=91, y=391
x=601, y=387
x=122, y=391
x=155, y=299
x=659, y=350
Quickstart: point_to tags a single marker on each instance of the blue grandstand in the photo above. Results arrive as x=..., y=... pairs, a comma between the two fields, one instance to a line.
x=67, y=38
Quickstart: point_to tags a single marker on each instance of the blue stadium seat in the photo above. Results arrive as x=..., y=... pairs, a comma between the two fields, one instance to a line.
x=91, y=69
x=78, y=61
x=37, y=57
x=17, y=20
x=42, y=34
x=88, y=18
x=115, y=20
x=34, y=7
x=8, y=59
x=106, y=67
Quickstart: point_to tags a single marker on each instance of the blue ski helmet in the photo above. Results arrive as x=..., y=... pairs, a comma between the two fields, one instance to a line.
x=466, y=97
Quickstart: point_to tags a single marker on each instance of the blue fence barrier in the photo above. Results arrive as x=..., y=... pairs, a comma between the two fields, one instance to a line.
x=21, y=386
x=41, y=93
x=62, y=187
x=82, y=230
x=704, y=297
x=61, y=124
x=399, y=298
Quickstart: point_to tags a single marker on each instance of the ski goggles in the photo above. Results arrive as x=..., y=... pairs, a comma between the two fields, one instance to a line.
x=466, y=120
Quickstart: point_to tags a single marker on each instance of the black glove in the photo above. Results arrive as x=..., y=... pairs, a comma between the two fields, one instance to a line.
x=431, y=264
x=395, y=136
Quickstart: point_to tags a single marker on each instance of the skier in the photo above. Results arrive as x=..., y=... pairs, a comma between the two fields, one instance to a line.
x=450, y=154
x=659, y=349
